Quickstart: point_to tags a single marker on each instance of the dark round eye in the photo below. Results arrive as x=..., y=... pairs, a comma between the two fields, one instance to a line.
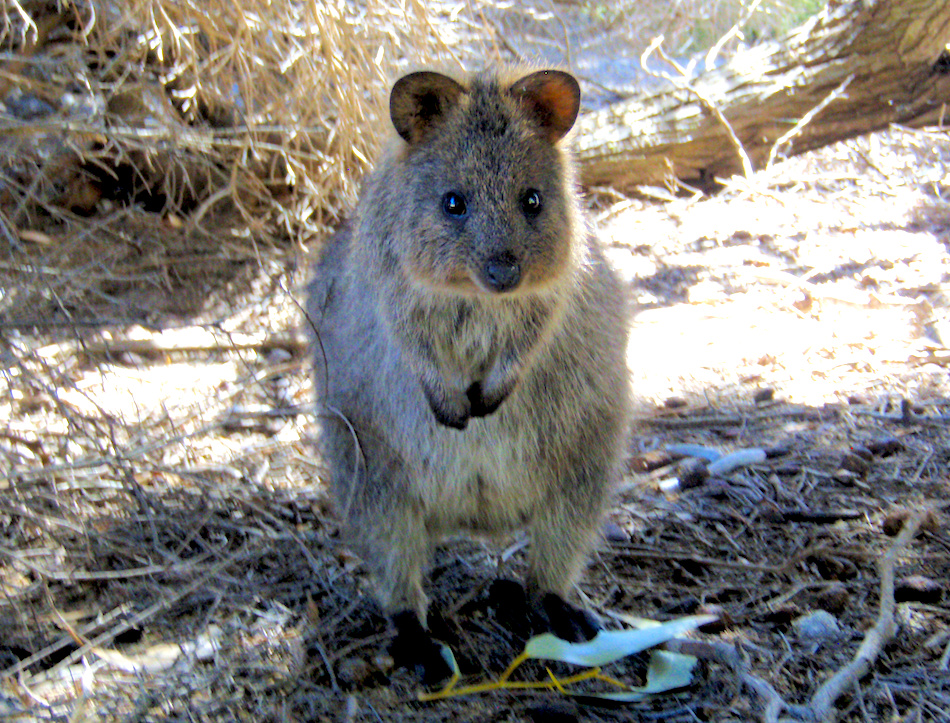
x=453, y=204
x=531, y=202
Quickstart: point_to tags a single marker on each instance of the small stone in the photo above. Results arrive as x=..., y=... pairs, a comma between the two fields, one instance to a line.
x=761, y=396
x=384, y=662
x=834, y=598
x=778, y=450
x=845, y=477
x=855, y=463
x=893, y=522
x=804, y=303
x=692, y=472
x=919, y=589
x=615, y=533
x=833, y=568
x=355, y=672
x=649, y=461
x=25, y=106
x=782, y=615
x=817, y=626
x=277, y=355
x=722, y=621
x=787, y=469
x=885, y=446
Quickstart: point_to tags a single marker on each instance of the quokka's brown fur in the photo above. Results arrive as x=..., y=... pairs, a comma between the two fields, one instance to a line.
x=470, y=337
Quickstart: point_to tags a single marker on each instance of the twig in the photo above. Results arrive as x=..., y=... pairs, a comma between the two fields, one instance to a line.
x=732, y=32
x=8, y=232
x=807, y=118
x=632, y=551
x=30, y=33
x=821, y=706
x=180, y=341
x=79, y=576
x=98, y=622
x=945, y=658
x=932, y=356
x=30, y=475
x=905, y=417
x=729, y=656
x=683, y=84
x=130, y=622
x=733, y=420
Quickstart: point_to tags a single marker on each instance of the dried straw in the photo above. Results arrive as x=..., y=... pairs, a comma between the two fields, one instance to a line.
x=163, y=120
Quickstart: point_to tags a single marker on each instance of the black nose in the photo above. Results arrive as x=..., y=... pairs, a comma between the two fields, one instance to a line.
x=502, y=272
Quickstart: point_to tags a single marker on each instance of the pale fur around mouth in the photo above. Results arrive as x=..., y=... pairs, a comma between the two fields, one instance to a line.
x=469, y=285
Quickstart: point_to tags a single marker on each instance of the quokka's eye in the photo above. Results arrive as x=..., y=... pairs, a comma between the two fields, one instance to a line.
x=531, y=202
x=453, y=204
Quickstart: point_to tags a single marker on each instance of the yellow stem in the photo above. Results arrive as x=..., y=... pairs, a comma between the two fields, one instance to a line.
x=511, y=668
x=555, y=683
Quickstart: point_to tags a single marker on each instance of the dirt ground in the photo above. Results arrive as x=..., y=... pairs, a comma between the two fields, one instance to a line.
x=167, y=551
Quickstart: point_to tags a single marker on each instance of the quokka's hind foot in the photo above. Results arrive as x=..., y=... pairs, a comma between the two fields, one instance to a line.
x=414, y=648
x=567, y=621
x=515, y=610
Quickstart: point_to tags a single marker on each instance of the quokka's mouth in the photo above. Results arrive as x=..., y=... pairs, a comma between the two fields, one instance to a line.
x=473, y=283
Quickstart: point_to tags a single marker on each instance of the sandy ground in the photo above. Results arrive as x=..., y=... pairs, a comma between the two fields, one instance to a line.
x=168, y=553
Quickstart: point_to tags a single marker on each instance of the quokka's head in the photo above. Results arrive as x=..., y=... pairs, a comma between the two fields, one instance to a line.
x=488, y=204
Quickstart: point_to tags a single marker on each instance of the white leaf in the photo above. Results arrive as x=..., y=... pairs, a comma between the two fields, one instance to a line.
x=610, y=645
x=667, y=671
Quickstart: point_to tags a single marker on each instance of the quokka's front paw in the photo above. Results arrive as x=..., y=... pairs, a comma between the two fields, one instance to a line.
x=454, y=408
x=485, y=402
x=450, y=409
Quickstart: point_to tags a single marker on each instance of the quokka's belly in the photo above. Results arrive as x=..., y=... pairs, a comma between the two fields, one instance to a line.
x=483, y=479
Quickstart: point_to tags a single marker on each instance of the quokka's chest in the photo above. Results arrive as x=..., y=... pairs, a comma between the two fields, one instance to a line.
x=469, y=333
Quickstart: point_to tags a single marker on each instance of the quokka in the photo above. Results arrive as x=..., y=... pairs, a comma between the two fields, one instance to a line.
x=470, y=344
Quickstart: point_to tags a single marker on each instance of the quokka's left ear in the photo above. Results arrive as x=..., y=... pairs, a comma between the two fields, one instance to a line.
x=552, y=98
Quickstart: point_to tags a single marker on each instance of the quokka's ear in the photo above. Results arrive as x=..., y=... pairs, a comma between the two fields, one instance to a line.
x=419, y=101
x=552, y=98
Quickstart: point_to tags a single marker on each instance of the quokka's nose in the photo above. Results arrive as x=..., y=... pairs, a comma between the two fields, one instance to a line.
x=502, y=272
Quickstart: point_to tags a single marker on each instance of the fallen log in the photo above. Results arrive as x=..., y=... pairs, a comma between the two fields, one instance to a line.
x=856, y=67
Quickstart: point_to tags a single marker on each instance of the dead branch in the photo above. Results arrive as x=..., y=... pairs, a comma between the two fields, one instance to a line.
x=787, y=96
x=821, y=706
x=177, y=341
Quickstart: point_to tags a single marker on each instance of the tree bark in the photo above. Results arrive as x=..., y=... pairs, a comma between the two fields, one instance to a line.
x=857, y=67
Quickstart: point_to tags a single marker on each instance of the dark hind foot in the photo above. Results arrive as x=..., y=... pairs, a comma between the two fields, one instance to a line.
x=567, y=621
x=515, y=610
x=415, y=648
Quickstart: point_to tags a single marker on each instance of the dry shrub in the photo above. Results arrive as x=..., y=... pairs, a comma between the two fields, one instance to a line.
x=156, y=145
x=152, y=151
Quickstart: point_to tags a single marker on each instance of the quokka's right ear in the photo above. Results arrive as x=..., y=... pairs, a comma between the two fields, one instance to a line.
x=419, y=101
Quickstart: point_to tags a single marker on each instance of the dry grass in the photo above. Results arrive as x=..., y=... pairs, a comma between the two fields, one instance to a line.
x=162, y=146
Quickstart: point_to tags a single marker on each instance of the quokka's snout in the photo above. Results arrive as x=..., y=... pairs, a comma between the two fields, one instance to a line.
x=502, y=272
